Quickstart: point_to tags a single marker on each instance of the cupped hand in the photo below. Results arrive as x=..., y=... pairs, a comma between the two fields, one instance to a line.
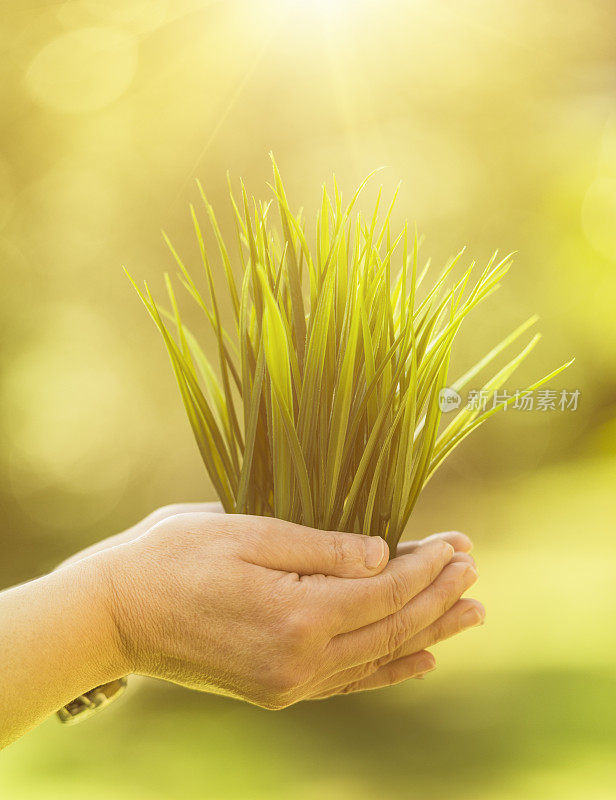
x=141, y=527
x=274, y=613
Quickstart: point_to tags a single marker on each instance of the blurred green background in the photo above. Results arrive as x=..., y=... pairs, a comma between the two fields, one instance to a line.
x=500, y=118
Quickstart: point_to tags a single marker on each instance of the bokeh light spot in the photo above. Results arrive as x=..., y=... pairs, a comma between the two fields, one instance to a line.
x=71, y=412
x=83, y=70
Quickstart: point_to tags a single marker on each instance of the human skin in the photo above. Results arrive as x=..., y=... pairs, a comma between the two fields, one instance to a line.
x=252, y=607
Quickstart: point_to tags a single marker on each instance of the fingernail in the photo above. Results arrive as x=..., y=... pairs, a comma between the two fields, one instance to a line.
x=427, y=664
x=375, y=551
x=472, y=617
x=449, y=549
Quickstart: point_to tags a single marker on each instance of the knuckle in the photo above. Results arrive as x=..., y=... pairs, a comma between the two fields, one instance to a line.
x=444, y=596
x=341, y=551
x=454, y=579
x=465, y=570
x=292, y=670
x=397, y=632
x=397, y=590
x=465, y=575
x=441, y=628
x=449, y=586
x=298, y=629
x=438, y=630
x=440, y=554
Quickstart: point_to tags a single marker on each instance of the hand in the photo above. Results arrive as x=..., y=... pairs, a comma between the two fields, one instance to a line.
x=274, y=613
x=411, y=660
x=141, y=527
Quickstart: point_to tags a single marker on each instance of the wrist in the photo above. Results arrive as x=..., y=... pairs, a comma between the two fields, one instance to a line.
x=91, y=586
x=58, y=643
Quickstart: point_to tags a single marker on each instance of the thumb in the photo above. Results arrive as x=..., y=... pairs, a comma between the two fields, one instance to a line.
x=278, y=544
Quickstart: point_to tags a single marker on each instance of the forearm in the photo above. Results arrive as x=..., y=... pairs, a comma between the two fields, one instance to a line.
x=57, y=641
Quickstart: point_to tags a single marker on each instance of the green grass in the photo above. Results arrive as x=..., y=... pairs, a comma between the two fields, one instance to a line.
x=323, y=408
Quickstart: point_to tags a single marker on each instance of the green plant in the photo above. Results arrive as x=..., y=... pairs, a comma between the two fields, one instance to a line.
x=325, y=406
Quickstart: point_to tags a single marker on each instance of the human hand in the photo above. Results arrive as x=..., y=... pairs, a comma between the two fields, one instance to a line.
x=411, y=660
x=141, y=527
x=274, y=613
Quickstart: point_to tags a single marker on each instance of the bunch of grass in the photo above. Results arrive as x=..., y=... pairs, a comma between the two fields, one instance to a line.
x=324, y=409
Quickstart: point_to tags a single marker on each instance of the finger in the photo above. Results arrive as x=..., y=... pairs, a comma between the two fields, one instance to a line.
x=385, y=636
x=459, y=541
x=281, y=545
x=457, y=556
x=349, y=606
x=402, y=669
x=466, y=613
x=463, y=557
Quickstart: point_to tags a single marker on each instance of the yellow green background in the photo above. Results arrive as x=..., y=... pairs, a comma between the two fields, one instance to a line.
x=500, y=119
